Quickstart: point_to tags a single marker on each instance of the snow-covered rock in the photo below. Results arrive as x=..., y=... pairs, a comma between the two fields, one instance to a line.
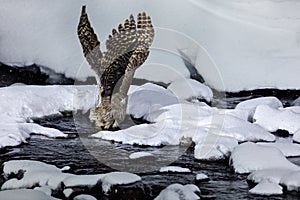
x=174, y=169
x=213, y=147
x=141, y=154
x=249, y=157
x=255, y=28
x=25, y=194
x=291, y=181
x=267, y=188
x=84, y=197
x=297, y=102
x=250, y=106
x=273, y=119
x=179, y=192
x=189, y=88
x=288, y=149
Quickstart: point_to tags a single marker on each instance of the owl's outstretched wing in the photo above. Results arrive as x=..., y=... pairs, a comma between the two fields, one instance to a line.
x=89, y=42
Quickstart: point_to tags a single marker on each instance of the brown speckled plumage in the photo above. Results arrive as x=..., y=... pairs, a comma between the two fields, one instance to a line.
x=126, y=49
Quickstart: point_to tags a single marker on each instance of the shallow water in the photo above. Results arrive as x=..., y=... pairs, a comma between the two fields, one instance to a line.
x=73, y=152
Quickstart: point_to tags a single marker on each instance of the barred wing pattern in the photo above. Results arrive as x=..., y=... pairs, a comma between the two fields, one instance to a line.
x=126, y=49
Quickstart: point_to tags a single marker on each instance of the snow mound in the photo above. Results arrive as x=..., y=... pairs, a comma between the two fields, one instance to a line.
x=24, y=194
x=288, y=149
x=179, y=192
x=267, y=188
x=84, y=197
x=274, y=119
x=189, y=88
x=249, y=157
x=272, y=174
x=296, y=136
x=141, y=154
x=201, y=177
x=297, y=102
x=250, y=105
x=21, y=103
x=174, y=169
x=213, y=147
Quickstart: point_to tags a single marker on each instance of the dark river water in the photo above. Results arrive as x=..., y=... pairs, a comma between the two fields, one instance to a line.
x=73, y=152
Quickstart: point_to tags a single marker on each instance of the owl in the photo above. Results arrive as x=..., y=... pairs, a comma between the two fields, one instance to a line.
x=127, y=48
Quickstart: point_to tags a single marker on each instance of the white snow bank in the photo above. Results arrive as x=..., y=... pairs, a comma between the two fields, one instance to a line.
x=43, y=175
x=25, y=195
x=250, y=106
x=174, y=169
x=249, y=157
x=253, y=29
x=288, y=149
x=21, y=103
x=84, y=197
x=291, y=181
x=267, y=188
x=272, y=174
x=297, y=102
x=189, y=88
x=179, y=192
x=141, y=154
x=273, y=119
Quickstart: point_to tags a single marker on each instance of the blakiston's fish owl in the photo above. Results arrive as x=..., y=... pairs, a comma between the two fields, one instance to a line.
x=126, y=49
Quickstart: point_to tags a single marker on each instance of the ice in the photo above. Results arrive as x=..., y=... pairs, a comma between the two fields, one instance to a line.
x=273, y=119
x=174, y=169
x=249, y=157
x=84, y=197
x=24, y=194
x=179, y=192
x=266, y=188
x=141, y=154
x=244, y=30
x=189, y=88
x=250, y=105
x=288, y=149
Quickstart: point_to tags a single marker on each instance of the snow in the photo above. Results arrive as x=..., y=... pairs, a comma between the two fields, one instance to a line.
x=201, y=177
x=297, y=102
x=244, y=31
x=291, y=181
x=266, y=188
x=296, y=136
x=174, y=169
x=141, y=154
x=67, y=192
x=45, y=189
x=249, y=157
x=250, y=106
x=19, y=104
x=84, y=197
x=179, y=192
x=213, y=147
x=189, y=88
x=25, y=195
x=118, y=178
x=288, y=149
x=273, y=119
x=49, y=177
